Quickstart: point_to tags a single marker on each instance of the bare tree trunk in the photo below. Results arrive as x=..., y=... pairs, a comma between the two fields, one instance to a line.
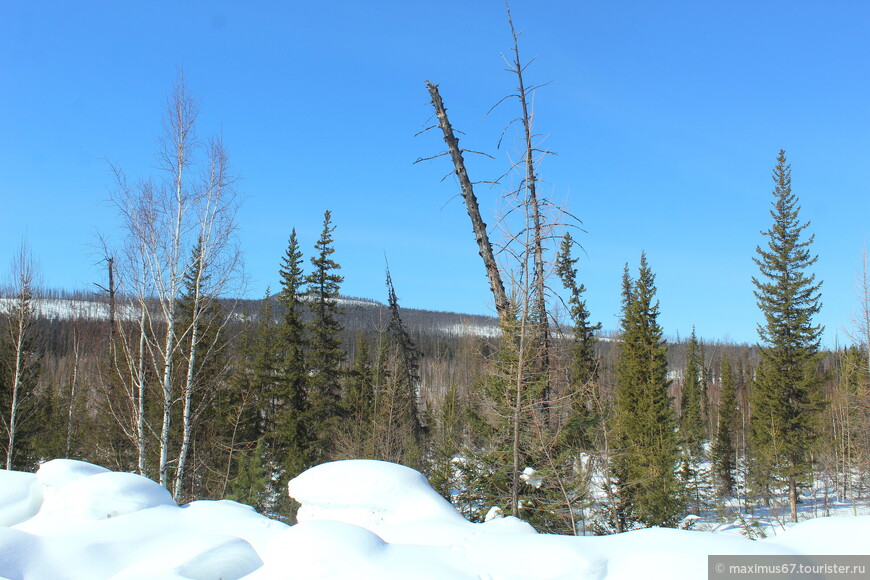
x=792, y=498
x=186, y=419
x=72, y=391
x=477, y=223
x=18, y=339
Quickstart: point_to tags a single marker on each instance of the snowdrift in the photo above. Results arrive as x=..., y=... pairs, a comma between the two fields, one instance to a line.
x=359, y=519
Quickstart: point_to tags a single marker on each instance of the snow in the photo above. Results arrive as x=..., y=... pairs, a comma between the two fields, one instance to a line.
x=359, y=519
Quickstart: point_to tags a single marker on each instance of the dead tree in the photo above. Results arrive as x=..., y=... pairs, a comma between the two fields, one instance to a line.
x=502, y=305
x=532, y=202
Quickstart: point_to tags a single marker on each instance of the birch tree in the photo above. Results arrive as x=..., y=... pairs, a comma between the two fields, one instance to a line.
x=20, y=316
x=211, y=272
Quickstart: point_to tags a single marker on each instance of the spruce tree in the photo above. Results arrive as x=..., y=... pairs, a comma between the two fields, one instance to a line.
x=260, y=374
x=325, y=353
x=691, y=422
x=692, y=432
x=724, y=463
x=292, y=436
x=358, y=403
x=583, y=362
x=645, y=451
x=400, y=432
x=786, y=398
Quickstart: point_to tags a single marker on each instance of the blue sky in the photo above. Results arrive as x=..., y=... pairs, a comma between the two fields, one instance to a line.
x=666, y=117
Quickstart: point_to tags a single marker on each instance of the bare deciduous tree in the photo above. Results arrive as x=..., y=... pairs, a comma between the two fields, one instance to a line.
x=19, y=328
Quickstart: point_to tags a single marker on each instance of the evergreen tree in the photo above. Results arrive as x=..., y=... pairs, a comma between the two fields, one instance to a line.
x=399, y=393
x=786, y=399
x=724, y=463
x=357, y=440
x=691, y=422
x=292, y=438
x=325, y=353
x=692, y=430
x=583, y=426
x=250, y=484
x=248, y=411
x=260, y=374
x=584, y=364
x=645, y=444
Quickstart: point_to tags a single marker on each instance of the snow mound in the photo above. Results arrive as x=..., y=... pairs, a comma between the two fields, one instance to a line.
x=360, y=520
x=394, y=501
x=20, y=497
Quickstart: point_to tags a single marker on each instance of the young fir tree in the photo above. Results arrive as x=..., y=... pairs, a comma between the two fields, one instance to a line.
x=724, y=462
x=325, y=353
x=786, y=398
x=645, y=450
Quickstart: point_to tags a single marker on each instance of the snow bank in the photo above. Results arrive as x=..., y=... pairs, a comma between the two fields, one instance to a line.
x=359, y=520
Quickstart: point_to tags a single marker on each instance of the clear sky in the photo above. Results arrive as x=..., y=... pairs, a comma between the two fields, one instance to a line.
x=666, y=116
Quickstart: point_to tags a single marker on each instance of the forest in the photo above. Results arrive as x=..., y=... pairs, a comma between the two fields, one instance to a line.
x=164, y=371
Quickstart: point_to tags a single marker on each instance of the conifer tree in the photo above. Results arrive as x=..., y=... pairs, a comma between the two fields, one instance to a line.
x=325, y=353
x=691, y=422
x=248, y=408
x=786, y=400
x=692, y=430
x=724, y=463
x=645, y=445
x=261, y=373
x=292, y=429
x=400, y=431
x=583, y=365
x=358, y=403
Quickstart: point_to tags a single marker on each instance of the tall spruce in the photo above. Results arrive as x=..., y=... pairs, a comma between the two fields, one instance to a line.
x=292, y=434
x=645, y=450
x=786, y=398
x=325, y=353
x=724, y=460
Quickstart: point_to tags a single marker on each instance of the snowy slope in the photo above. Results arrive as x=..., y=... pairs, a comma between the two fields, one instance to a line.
x=359, y=519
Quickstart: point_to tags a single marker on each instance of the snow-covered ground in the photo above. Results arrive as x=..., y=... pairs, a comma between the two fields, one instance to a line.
x=359, y=519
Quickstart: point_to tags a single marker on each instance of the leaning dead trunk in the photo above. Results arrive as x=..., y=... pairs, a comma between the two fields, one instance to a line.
x=477, y=223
